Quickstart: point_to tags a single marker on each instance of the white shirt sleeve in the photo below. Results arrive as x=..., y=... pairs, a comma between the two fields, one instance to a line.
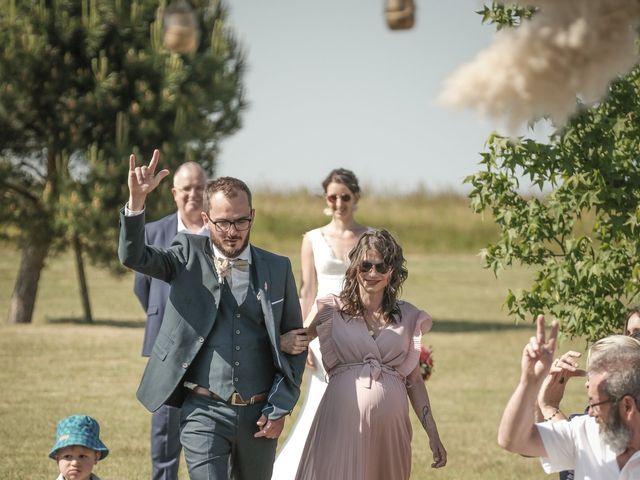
x=577, y=445
x=560, y=445
x=131, y=213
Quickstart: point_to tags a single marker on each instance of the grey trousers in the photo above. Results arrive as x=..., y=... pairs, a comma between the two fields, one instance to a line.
x=219, y=444
x=165, y=443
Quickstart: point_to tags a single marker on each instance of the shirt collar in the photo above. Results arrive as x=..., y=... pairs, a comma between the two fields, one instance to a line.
x=182, y=228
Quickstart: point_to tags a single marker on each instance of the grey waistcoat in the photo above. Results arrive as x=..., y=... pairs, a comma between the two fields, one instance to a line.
x=236, y=356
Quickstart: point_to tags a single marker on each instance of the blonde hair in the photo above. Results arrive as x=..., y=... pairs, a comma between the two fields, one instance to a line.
x=612, y=342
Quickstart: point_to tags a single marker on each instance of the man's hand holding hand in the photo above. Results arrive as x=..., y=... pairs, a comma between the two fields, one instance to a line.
x=295, y=341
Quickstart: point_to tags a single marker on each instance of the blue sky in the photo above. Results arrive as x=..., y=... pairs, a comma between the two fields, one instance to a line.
x=329, y=85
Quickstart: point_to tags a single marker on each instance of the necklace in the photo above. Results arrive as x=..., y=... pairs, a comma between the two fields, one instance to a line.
x=374, y=325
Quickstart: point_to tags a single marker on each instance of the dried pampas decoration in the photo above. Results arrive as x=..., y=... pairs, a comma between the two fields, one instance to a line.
x=568, y=48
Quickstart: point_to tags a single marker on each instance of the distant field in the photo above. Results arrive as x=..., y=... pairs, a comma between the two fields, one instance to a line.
x=422, y=222
x=58, y=366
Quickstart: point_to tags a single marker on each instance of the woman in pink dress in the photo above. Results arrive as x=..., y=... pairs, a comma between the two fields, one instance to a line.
x=370, y=344
x=324, y=263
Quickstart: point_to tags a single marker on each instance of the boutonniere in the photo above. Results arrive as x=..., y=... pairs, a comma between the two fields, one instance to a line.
x=262, y=292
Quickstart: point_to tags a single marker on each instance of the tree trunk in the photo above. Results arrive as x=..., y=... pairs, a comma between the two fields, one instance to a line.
x=82, y=280
x=23, y=298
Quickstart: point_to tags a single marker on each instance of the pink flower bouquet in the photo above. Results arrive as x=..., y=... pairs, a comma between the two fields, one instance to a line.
x=426, y=362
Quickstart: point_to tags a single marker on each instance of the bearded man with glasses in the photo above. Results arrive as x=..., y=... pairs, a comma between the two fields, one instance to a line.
x=188, y=185
x=217, y=354
x=604, y=445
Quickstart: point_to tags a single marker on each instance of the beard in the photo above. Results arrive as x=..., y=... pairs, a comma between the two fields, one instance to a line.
x=226, y=251
x=614, y=432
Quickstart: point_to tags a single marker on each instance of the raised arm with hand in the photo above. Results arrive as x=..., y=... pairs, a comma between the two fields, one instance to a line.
x=517, y=432
x=143, y=180
x=553, y=386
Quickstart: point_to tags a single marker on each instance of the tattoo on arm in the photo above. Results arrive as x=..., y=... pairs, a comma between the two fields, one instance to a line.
x=425, y=413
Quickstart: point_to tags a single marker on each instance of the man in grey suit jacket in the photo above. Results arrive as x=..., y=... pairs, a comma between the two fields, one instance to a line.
x=218, y=350
x=188, y=187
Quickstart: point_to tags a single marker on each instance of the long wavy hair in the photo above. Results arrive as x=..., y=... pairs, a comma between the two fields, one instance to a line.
x=391, y=253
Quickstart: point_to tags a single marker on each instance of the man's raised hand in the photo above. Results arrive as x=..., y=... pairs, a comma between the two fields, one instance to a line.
x=143, y=180
x=537, y=355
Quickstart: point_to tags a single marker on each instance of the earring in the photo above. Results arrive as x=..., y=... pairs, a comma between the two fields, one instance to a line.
x=328, y=211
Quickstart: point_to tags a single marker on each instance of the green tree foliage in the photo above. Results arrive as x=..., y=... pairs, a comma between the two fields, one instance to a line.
x=503, y=15
x=580, y=230
x=82, y=84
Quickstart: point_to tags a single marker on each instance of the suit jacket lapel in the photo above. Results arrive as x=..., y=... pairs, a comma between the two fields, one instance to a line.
x=171, y=229
x=209, y=276
x=264, y=297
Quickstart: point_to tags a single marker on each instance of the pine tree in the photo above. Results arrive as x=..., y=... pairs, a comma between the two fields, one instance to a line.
x=82, y=84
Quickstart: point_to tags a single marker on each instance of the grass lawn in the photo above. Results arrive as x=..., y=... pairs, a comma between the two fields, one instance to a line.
x=57, y=367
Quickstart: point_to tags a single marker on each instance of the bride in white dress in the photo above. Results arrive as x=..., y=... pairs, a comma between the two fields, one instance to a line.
x=324, y=262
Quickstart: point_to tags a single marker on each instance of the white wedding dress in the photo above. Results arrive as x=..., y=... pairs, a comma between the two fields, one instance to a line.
x=330, y=272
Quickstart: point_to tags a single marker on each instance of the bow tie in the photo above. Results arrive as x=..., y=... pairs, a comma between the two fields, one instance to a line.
x=224, y=266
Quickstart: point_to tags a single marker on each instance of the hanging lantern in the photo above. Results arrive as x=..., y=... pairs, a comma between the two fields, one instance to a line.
x=180, y=29
x=400, y=14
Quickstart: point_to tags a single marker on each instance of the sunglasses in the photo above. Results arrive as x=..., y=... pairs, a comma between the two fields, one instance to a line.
x=381, y=268
x=345, y=197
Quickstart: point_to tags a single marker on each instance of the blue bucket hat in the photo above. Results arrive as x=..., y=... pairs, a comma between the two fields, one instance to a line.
x=79, y=430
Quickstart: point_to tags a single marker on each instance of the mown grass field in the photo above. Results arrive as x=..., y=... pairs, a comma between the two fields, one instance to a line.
x=58, y=366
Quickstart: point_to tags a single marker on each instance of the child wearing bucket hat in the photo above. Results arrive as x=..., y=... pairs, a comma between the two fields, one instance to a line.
x=78, y=448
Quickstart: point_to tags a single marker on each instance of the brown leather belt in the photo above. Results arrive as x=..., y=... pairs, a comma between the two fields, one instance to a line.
x=235, y=399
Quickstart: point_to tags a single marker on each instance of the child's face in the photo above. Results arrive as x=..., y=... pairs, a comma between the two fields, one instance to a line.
x=76, y=462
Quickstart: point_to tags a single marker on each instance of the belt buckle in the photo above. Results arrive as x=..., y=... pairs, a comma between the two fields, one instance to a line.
x=236, y=400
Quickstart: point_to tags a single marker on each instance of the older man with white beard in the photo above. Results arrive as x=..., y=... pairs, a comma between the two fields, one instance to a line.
x=603, y=445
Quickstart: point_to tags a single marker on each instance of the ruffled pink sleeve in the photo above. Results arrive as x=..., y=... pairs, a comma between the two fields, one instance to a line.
x=419, y=323
x=327, y=307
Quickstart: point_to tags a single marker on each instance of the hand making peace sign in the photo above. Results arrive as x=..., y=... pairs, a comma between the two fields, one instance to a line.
x=537, y=355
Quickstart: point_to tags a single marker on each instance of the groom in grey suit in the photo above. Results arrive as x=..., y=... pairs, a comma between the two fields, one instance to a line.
x=218, y=353
x=188, y=186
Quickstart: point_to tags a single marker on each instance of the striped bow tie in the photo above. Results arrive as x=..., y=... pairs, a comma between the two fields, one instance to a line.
x=224, y=266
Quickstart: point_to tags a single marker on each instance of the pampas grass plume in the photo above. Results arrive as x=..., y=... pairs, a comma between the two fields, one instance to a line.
x=569, y=48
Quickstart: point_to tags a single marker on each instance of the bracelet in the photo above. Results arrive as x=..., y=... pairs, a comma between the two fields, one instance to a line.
x=553, y=415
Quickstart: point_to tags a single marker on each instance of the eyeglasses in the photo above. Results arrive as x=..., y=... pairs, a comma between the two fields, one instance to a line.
x=240, y=224
x=189, y=189
x=333, y=198
x=381, y=267
x=592, y=406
